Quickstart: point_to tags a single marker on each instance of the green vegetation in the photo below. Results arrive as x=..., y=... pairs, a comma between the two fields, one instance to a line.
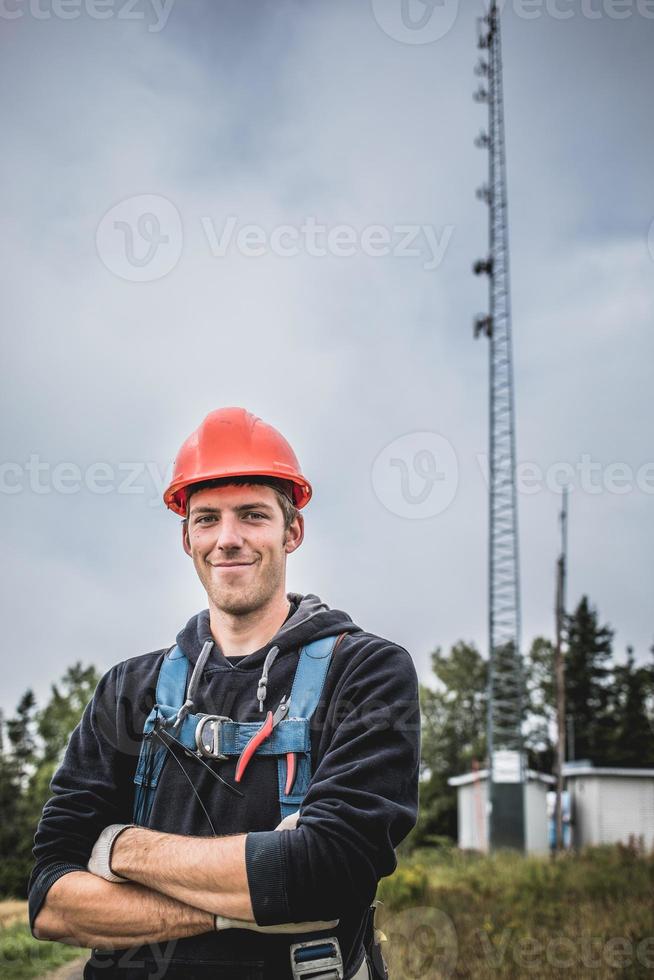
x=31, y=745
x=585, y=915
x=446, y=913
x=21, y=956
x=610, y=709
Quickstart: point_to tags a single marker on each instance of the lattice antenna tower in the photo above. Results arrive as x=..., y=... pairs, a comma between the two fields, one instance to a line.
x=505, y=684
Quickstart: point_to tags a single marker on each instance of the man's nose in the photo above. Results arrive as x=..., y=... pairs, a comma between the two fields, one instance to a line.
x=229, y=533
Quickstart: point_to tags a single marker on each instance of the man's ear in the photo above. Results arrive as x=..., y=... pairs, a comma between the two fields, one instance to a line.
x=294, y=535
x=186, y=544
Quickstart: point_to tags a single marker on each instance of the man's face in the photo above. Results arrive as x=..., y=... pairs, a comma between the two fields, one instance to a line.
x=236, y=538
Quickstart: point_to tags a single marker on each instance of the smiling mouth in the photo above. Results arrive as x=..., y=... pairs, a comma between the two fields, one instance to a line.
x=231, y=564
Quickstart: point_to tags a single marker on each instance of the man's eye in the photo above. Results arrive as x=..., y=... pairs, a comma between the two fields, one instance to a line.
x=205, y=519
x=253, y=513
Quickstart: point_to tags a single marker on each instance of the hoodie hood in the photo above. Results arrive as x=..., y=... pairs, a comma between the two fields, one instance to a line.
x=310, y=619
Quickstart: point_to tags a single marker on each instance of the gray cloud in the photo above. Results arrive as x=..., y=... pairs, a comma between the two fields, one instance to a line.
x=273, y=114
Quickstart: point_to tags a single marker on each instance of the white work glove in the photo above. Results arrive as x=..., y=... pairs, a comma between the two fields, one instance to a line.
x=220, y=922
x=290, y=822
x=100, y=860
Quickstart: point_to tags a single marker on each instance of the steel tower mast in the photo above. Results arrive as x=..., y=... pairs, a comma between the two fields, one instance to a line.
x=505, y=685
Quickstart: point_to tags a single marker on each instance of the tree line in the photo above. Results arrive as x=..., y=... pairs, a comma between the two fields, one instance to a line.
x=31, y=745
x=609, y=708
x=609, y=713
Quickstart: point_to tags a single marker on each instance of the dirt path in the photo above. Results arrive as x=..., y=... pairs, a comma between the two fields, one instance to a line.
x=70, y=971
x=11, y=912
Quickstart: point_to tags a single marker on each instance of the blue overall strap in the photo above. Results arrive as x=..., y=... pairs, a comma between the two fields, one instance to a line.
x=310, y=675
x=170, y=696
x=291, y=735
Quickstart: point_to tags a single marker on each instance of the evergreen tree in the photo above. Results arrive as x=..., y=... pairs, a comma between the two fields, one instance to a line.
x=20, y=732
x=30, y=754
x=588, y=671
x=540, y=720
x=16, y=766
x=63, y=711
x=633, y=743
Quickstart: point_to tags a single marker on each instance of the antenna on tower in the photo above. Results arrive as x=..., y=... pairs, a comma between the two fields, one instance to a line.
x=506, y=763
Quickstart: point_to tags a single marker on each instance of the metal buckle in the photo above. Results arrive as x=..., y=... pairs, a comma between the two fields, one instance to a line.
x=210, y=745
x=319, y=959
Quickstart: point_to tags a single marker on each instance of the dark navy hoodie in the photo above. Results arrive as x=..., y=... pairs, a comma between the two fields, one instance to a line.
x=362, y=801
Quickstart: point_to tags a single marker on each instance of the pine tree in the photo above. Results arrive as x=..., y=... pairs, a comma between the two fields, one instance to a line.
x=30, y=753
x=588, y=671
x=20, y=731
x=633, y=730
x=63, y=711
x=16, y=766
x=540, y=721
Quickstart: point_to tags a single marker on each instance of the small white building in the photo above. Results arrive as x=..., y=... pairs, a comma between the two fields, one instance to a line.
x=610, y=805
x=472, y=806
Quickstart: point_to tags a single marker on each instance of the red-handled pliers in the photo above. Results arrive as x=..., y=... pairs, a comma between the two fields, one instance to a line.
x=272, y=720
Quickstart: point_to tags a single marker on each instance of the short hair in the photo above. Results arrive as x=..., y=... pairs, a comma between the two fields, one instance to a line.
x=283, y=491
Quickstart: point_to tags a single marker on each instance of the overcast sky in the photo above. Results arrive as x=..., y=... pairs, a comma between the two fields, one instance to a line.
x=136, y=149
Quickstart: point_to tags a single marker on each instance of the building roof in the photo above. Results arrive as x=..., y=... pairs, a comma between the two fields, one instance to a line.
x=571, y=771
x=482, y=774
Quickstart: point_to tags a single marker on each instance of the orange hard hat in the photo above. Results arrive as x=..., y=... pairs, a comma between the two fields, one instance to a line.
x=233, y=442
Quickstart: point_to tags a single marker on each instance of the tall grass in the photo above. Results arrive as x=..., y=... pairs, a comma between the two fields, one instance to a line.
x=582, y=915
x=450, y=914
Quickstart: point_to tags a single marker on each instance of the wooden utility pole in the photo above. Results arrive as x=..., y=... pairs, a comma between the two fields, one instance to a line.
x=559, y=669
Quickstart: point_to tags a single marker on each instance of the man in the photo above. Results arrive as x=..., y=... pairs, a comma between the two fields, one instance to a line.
x=163, y=847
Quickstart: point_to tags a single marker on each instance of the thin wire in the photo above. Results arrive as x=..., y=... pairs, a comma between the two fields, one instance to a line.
x=188, y=779
x=197, y=758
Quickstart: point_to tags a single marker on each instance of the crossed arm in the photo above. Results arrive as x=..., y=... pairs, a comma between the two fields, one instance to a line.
x=176, y=885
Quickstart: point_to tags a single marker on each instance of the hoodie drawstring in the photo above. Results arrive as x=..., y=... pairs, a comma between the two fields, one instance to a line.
x=193, y=686
x=262, y=688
